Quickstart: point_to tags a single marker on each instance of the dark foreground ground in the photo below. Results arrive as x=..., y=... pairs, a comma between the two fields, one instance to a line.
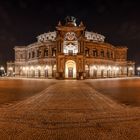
x=68, y=110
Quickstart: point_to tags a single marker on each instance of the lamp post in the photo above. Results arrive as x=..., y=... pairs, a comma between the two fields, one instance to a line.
x=138, y=69
x=2, y=71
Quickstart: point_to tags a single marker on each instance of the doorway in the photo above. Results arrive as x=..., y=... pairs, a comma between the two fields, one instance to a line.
x=70, y=69
x=70, y=72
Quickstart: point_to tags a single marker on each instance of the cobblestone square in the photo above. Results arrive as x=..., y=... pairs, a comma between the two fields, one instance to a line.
x=69, y=110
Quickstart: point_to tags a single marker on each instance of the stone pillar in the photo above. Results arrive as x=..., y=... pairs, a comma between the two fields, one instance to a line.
x=90, y=71
x=79, y=47
x=17, y=71
x=50, y=71
x=36, y=72
x=50, y=50
x=98, y=72
x=42, y=72
x=61, y=46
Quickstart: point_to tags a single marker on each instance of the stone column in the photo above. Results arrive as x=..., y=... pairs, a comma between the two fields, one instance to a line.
x=50, y=71
x=36, y=72
x=42, y=72
x=61, y=46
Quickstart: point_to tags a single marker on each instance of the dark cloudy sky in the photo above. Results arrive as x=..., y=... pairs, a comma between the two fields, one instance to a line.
x=22, y=20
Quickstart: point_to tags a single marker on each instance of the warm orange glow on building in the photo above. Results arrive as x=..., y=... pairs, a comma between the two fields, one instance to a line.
x=71, y=52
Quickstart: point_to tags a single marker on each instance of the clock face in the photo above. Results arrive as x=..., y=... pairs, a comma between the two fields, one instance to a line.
x=70, y=36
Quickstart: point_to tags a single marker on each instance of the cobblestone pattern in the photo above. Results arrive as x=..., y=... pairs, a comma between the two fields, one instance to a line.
x=69, y=110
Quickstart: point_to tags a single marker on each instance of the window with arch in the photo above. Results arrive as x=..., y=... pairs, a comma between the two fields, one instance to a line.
x=29, y=56
x=95, y=52
x=108, y=54
x=38, y=53
x=21, y=56
x=53, y=51
x=33, y=54
x=111, y=54
x=102, y=53
x=87, y=51
x=46, y=52
x=70, y=43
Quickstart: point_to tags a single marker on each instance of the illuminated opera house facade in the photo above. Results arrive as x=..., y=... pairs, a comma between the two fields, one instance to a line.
x=71, y=52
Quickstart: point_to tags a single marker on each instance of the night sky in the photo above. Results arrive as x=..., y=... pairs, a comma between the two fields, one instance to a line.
x=22, y=20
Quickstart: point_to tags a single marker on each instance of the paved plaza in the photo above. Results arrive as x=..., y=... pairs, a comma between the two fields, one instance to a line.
x=69, y=110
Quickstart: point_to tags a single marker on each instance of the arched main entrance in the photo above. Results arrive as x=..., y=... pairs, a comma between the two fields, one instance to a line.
x=70, y=69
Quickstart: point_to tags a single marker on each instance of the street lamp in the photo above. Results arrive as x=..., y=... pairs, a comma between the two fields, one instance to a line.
x=2, y=71
x=2, y=68
x=138, y=69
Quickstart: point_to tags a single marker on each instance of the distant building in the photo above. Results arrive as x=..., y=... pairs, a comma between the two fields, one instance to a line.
x=71, y=52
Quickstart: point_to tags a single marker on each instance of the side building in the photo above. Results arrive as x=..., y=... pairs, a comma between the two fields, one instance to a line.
x=71, y=52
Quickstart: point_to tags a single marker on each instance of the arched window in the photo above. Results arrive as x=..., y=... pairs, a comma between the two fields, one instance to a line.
x=108, y=54
x=53, y=51
x=33, y=54
x=46, y=52
x=87, y=52
x=95, y=52
x=111, y=55
x=29, y=56
x=102, y=53
x=21, y=56
x=70, y=43
x=38, y=53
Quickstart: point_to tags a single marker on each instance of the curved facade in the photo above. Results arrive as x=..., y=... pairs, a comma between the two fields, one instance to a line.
x=71, y=52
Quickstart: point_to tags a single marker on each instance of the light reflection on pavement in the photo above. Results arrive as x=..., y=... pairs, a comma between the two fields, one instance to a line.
x=68, y=110
x=125, y=91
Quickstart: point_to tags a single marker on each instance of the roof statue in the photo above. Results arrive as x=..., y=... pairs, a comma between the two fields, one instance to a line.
x=81, y=24
x=70, y=21
x=59, y=23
